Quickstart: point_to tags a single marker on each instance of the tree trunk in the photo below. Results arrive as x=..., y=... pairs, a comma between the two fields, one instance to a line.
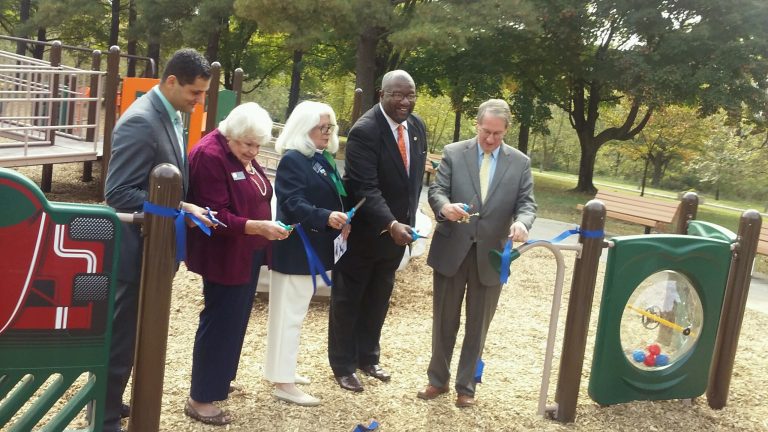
x=645, y=176
x=24, y=11
x=586, y=166
x=40, y=49
x=114, y=28
x=212, y=49
x=131, y=46
x=658, y=172
x=293, y=94
x=365, y=65
x=522, y=137
x=457, y=126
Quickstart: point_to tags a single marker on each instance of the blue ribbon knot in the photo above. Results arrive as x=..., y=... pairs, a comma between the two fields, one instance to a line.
x=181, y=230
x=508, y=254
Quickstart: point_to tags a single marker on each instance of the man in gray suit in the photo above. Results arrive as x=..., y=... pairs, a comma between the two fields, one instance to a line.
x=148, y=133
x=495, y=181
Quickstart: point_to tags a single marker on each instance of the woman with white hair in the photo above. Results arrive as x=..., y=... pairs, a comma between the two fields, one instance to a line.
x=309, y=191
x=225, y=177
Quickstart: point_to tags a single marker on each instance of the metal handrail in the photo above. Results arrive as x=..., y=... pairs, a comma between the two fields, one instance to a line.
x=150, y=61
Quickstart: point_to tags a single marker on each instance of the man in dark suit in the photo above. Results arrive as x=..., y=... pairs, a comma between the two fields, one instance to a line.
x=496, y=180
x=385, y=156
x=147, y=134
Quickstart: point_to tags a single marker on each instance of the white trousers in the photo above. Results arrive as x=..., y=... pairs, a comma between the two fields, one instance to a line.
x=289, y=297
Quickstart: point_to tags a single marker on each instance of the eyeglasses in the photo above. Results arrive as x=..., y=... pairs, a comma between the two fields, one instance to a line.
x=397, y=96
x=496, y=135
x=326, y=129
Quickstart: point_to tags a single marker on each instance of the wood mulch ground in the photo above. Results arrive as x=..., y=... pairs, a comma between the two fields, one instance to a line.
x=514, y=356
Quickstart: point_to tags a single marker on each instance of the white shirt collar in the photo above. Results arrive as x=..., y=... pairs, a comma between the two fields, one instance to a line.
x=393, y=124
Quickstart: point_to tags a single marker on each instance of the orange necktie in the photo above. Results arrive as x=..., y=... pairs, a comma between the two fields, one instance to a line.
x=401, y=145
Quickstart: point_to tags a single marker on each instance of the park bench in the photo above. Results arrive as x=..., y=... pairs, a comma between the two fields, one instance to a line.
x=762, y=242
x=431, y=164
x=648, y=212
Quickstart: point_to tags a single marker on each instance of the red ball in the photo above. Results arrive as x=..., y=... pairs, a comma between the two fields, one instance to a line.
x=650, y=360
x=654, y=349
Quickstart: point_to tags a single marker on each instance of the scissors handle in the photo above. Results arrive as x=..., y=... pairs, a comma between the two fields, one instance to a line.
x=213, y=219
x=285, y=226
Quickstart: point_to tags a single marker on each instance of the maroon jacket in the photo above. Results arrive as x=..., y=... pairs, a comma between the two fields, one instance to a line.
x=217, y=180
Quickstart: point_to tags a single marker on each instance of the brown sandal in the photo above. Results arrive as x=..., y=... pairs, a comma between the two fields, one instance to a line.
x=220, y=419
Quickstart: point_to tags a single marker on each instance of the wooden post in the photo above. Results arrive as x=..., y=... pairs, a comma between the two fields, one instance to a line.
x=158, y=269
x=579, y=311
x=53, y=114
x=213, y=98
x=736, y=291
x=110, y=110
x=689, y=207
x=90, y=134
x=237, y=85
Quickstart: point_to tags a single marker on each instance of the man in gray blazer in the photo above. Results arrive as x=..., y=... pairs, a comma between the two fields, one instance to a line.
x=148, y=133
x=495, y=181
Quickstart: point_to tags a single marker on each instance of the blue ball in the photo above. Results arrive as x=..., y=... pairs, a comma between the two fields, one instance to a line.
x=662, y=360
x=638, y=356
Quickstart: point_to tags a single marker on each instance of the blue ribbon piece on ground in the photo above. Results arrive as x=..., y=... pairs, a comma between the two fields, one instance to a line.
x=479, y=370
x=372, y=426
x=509, y=254
x=181, y=229
x=315, y=266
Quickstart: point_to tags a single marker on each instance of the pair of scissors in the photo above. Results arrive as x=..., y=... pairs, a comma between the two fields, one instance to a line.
x=285, y=226
x=213, y=219
x=351, y=213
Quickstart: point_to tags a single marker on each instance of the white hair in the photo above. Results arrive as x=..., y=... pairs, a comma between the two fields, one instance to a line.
x=495, y=108
x=304, y=118
x=247, y=121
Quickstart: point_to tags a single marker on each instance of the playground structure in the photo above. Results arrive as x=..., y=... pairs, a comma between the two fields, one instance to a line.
x=51, y=113
x=733, y=257
x=686, y=292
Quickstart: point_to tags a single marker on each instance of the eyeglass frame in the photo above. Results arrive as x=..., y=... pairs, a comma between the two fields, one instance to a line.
x=397, y=96
x=326, y=129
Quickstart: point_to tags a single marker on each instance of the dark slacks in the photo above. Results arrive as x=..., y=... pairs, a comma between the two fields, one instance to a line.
x=121, y=351
x=362, y=285
x=446, y=315
x=220, y=335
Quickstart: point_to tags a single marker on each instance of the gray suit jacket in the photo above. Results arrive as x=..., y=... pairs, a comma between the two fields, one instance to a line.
x=143, y=138
x=510, y=199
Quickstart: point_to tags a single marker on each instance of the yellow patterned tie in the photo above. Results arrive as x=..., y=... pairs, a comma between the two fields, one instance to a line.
x=485, y=170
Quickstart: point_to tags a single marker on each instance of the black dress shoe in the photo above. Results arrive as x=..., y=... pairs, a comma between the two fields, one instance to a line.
x=377, y=372
x=350, y=382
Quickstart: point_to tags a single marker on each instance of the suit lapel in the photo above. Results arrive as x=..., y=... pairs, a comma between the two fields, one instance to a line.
x=325, y=178
x=390, y=144
x=470, y=158
x=170, y=131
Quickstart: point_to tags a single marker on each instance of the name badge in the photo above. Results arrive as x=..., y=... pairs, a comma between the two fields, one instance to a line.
x=238, y=175
x=319, y=169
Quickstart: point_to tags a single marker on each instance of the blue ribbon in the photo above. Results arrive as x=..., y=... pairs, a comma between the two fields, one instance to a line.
x=510, y=254
x=506, y=261
x=479, y=370
x=181, y=230
x=372, y=426
x=315, y=265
